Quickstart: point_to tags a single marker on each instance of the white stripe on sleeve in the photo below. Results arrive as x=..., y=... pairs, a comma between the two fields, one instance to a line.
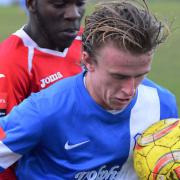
x=7, y=156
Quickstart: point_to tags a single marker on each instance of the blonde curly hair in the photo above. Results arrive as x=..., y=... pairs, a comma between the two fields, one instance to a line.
x=126, y=23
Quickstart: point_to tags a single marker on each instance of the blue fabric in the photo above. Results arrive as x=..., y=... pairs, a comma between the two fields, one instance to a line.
x=64, y=134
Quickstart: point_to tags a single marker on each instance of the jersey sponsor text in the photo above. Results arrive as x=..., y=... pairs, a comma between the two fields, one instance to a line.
x=50, y=79
x=102, y=174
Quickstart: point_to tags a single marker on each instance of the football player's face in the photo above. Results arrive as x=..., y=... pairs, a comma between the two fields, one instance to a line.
x=113, y=80
x=60, y=19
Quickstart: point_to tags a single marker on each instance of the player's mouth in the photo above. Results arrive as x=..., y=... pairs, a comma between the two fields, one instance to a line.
x=69, y=32
x=118, y=103
x=122, y=101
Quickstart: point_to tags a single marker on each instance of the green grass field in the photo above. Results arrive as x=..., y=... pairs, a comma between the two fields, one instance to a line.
x=166, y=64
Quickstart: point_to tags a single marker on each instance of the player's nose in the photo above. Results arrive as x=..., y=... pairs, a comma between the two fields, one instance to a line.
x=72, y=12
x=129, y=87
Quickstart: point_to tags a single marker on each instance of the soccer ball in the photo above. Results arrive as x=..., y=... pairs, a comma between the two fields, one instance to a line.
x=157, y=151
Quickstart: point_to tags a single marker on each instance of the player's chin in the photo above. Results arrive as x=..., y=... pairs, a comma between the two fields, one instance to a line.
x=66, y=37
x=64, y=43
x=118, y=105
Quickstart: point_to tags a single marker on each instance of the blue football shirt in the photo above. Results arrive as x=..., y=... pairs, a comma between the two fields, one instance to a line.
x=61, y=133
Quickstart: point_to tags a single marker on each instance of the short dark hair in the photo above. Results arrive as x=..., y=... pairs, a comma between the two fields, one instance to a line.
x=128, y=24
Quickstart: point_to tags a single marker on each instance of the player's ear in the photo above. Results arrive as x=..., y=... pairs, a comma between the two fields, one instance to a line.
x=87, y=61
x=31, y=5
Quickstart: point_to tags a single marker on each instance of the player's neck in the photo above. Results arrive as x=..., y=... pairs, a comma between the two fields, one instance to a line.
x=39, y=38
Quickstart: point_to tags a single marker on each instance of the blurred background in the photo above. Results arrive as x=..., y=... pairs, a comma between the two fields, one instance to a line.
x=166, y=64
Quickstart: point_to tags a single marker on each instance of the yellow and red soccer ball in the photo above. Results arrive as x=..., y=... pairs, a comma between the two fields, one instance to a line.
x=157, y=151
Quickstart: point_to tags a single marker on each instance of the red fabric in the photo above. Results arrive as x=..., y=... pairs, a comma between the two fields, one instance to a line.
x=2, y=134
x=26, y=70
x=8, y=174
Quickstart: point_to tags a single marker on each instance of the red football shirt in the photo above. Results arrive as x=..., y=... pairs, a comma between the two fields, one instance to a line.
x=27, y=68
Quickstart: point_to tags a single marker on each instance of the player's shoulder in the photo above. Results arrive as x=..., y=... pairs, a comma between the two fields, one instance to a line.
x=167, y=100
x=59, y=94
x=11, y=43
x=11, y=49
x=51, y=103
x=160, y=89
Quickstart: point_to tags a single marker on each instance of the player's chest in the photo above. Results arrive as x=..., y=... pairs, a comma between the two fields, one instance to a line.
x=97, y=148
x=48, y=70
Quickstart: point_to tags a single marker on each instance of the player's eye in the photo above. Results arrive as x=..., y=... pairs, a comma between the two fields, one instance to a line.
x=59, y=4
x=120, y=77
